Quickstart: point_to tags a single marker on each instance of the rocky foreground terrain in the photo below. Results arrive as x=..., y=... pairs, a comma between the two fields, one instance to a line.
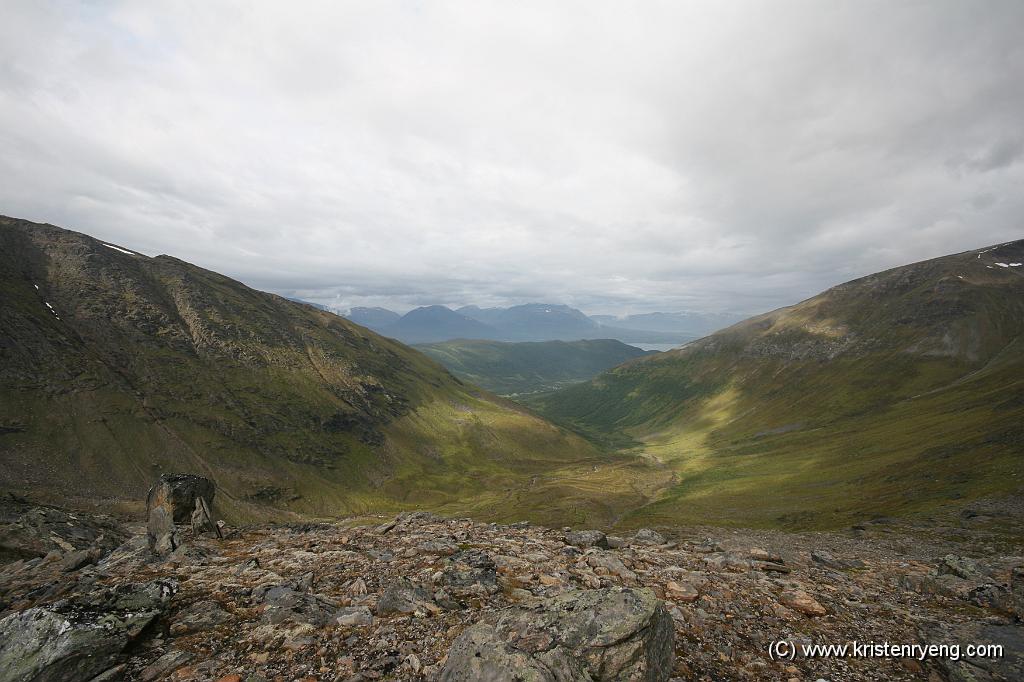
x=421, y=597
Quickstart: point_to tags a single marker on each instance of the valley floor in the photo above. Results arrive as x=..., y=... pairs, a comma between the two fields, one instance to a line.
x=378, y=599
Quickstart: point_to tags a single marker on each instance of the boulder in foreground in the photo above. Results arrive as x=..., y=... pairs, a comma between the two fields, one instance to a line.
x=173, y=500
x=77, y=641
x=609, y=634
x=178, y=493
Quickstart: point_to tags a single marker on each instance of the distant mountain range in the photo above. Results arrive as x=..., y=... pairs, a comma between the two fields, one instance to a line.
x=437, y=323
x=536, y=322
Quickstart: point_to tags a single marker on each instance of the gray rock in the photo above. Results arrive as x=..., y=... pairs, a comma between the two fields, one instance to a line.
x=33, y=531
x=611, y=634
x=160, y=530
x=646, y=536
x=960, y=566
x=304, y=583
x=402, y=597
x=1017, y=592
x=470, y=568
x=167, y=663
x=478, y=655
x=405, y=519
x=981, y=592
x=190, y=555
x=612, y=564
x=728, y=561
x=437, y=547
x=825, y=559
x=284, y=603
x=202, y=519
x=1009, y=666
x=73, y=561
x=354, y=616
x=587, y=538
x=134, y=552
x=43, y=645
x=991, y=596
x=115, y=674
x=202, y=615
x=78, y=641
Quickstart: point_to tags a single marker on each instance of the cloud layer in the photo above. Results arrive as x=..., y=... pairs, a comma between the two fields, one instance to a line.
x=620, y=157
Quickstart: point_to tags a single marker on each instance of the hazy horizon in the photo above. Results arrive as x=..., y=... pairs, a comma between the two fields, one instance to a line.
x=590, y=313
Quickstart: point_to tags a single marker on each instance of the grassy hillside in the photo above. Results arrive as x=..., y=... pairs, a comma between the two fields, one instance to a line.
x=528, y=367
x=143, y=365
x=895, y=393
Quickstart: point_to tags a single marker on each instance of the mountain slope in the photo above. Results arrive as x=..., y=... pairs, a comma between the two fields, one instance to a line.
x=527, y=367
x=893, y=393
x=115, y=367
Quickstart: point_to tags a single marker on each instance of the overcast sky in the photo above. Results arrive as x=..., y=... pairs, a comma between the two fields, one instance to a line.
x=619, y=157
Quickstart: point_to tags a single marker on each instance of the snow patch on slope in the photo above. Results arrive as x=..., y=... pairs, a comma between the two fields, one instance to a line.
x=118, y=248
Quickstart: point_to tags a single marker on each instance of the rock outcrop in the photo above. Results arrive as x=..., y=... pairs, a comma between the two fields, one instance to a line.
x=78, y=640
x=28, y=530
x=609, y=635
x=420, y=595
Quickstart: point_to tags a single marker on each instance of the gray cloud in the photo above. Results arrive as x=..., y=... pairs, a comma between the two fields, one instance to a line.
x=620, y=158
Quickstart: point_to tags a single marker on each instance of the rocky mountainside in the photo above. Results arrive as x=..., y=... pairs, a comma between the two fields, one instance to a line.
x=424, y=597
x=116, y=366
x=529, y=366
x=896, y=392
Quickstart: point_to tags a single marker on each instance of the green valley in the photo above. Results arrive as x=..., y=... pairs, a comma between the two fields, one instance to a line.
x=532, y=366
x=898, y=393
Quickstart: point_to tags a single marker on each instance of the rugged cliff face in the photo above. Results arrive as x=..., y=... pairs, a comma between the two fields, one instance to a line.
x=893, y=392
x=115, y=366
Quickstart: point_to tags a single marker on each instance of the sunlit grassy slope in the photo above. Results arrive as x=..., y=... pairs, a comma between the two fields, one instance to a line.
x=895, y=393
x=149, y=365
